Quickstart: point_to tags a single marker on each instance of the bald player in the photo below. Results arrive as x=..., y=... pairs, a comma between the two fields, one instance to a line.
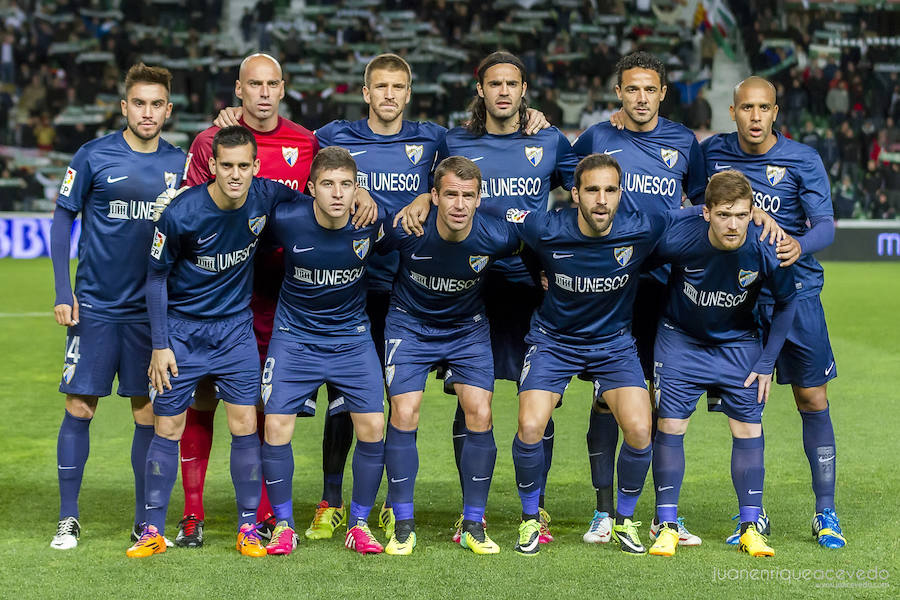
x=790, y=183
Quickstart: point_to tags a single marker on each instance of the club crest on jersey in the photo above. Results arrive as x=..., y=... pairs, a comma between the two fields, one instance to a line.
x=290, y=155
x=516, y=215
x=775, y=174
x=745, y=277
x=380, y=233
x=414, y=152
x=171, y=179
x=68, y=373
x=66, y=188
x=265, y=392
x=389, y=374
x=257, y=224
x=534, y=154
x=159, y=242
x=361, y=247
x=478, y=262
x=623, y=254
x=669, y=156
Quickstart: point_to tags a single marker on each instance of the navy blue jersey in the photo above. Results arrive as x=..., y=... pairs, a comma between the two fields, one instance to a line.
x=393, y=168
x=114, y=188
x=790, y=183
x=208, y=252
x=712, y=293
x=439, y=282
x=323, y=296
x=518, y=171
x=592, y=281
x=658, y=166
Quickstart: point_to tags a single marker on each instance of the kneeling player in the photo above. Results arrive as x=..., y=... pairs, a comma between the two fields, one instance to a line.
x=321, y=335
x=198, y=300
x=592, y=262
x=436, y=317
x=708, y=341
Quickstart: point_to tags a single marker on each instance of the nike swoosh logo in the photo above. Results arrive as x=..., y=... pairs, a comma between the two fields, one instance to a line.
x=148, y=507
x=828, y=370
x=635, y=491
x=612, y=151
x=358, y=152
x=663, y=488
x=754, y=491
x=480, y=478
x=559, y=255
x=206, y=239
x=595, y=453
x=299, y=250
x=686, y=270
x=184, y=460
x=247, y=514
x=65, y=468
x=476, y=159
x=398, y=480
x=115, y=179
x=273, y=482
x=414, y=257
x=719, y=167
x=825, y=460
x=459, y=435
x=526, y=486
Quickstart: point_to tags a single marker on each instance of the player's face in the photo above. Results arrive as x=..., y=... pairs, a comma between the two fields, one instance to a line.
x=641, y=92
x=728, y=222
x=597, y=198
x=146, y=109
x=456, y=202
x=234, y=170
x=754, y=112
x=260, y=88
x=502, y=90
x=387, y=94
x=333, y=190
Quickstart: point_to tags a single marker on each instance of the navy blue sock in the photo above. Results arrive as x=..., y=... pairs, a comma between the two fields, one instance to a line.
x=278, y=470
x=140, y=444
x=479, y=456
x=160, y=474
x=368, y=467
x=747, y=473
x=602, y=439
x=547, y=439
x=246, y=475
x=401, y=461
x=528, y=460
x=818, y=443
x=336, y=441
x=632, y=466
x=668, y=473
x=72, y=447
x=459, y=441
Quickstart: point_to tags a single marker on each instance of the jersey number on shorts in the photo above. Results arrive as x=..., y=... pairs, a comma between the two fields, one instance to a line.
x=390, y=346
x=72, y=351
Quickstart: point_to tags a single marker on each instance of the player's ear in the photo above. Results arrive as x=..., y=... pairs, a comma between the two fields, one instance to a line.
x=237, y=89
x=524, y=87
x=480, y=90
x=367, y=98
x=575, y=194
x=775, y=113
x=662, y=92
x=124, y=104
x=311, y=187
x=434, y=196
x=281, y=95
x=212, y=165
x=618, y=92
x=168, y=110
x=255, y=166
x=706, y=213
x=731, y=111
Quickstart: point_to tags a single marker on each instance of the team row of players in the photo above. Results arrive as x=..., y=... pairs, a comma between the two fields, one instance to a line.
x=501, y=87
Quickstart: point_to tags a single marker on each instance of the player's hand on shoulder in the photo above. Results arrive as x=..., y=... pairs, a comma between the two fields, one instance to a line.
x=765, y=384
x=163, y=200
x=412, y=216
x=66, y=314
x=771, y=229
x=228, y=117
x=617, y=119
x=788, y=251
x=162, y=362
x=536, y=121
x=364, y=209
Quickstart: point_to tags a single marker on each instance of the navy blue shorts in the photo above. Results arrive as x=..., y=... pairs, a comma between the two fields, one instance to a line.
x=611, y=363
x=684, y=369
x=509, y=306
x=97, y=351
x=806, y=359
x=224, y=350
x=413, y=348
x=294, y=371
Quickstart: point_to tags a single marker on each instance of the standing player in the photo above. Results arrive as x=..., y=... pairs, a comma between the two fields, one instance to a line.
x=790, y=183
x=437, y=317
x=112, y=181
x=661, y=162
x=719, y=267
x=519, y=171
x=198, y=299
x=592, y=261
x=322, y=335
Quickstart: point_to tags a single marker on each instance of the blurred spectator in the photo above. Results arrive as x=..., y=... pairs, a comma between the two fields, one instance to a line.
x=829, y=151
x=844, y=199
x=44, y=133
x=8, y=59
x=838, y=101
x=810, y=136
x=872, y=183
x=590, y=115
x=708, y=48
x=883, y=208
x=549, y=107
x=698, y=114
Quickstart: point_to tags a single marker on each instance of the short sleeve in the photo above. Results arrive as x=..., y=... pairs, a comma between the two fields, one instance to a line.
x=695, y=179
x=166, y=246
x=77, y=182
x=198, y=160
x=814, y=189
x=566, y=161
x=584, y=145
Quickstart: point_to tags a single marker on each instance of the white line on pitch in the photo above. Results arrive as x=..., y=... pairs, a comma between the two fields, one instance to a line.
x=25, y=314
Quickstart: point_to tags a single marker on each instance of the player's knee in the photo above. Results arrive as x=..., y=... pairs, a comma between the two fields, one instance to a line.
x=636, y=433
x=478, y=418
x=369, y=427
x=242, y=420
x=82, y=407
x=531, y=429
x=404, y=416
x=279, y=429
x=811, y=399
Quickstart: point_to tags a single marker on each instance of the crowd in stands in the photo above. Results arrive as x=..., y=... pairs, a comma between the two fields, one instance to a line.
x=61, y=65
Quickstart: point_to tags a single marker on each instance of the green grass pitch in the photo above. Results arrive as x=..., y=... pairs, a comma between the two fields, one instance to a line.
x=861, y=302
